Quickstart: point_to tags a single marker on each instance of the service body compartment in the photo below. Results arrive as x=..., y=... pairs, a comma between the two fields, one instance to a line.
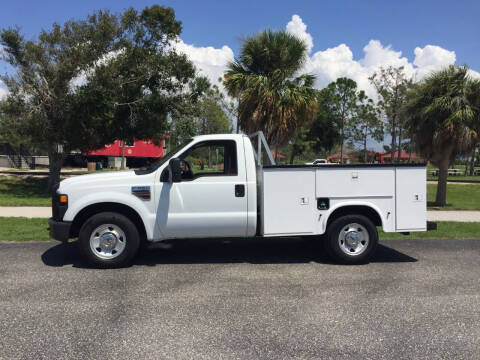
x=334, y=181
x=363, y=185
x=411, y=195
x=289, y=204
x=289, y=195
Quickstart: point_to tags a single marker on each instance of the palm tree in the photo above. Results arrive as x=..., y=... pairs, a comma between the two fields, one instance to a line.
x=443, y=115
x=271, y=97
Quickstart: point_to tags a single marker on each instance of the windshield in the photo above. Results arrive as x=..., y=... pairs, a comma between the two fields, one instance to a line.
x=161, y=161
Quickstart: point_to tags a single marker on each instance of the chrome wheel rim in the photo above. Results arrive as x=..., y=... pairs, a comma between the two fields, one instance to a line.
x=353, y=239
x=107, y=241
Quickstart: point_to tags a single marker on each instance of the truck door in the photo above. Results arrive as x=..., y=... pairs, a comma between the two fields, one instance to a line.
x=211, y=199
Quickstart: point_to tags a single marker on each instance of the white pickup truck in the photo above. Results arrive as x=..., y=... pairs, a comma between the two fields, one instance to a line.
x=216, y=186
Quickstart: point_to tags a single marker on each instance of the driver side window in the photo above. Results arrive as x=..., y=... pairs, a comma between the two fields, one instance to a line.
x=210, y=158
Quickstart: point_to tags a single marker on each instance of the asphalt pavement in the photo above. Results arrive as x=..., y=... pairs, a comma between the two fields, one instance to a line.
x=242, y=299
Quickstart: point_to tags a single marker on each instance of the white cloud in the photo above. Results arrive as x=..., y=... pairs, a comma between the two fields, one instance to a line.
x=209, y=61
x=3, y=90
x=297, y=27
x=329, y=64
x=332, y=63
x=378, y=55
x=431, y=58
x=433, y=55
x=474, y=74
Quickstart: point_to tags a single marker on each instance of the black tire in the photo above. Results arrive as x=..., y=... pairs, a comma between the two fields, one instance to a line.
x=132, y=239
x=332, y=242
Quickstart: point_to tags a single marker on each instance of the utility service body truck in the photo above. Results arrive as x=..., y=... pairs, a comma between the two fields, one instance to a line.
x=216, y=186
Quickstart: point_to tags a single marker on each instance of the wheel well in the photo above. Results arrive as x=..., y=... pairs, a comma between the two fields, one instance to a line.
x=93, y=209
x=356, y=210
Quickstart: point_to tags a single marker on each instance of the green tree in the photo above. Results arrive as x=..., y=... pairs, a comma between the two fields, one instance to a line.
x=271, y=97
x=302, y=143
x=392, y=85
x=443, y=113
x=325, y=129
x=212, y=118
x=366, y=123
x=87, y=83
x=206, y=116
x=39, y=103
x=341, y=101
x=144, y=79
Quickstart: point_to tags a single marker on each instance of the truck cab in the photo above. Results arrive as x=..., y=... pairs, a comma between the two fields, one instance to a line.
x=217, y=186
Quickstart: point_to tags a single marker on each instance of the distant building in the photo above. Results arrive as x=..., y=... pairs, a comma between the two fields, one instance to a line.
x=335, y=158
x=138, y=153
x=404, y=157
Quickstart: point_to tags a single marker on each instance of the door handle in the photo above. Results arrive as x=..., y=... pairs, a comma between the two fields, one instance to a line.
x=239, y=190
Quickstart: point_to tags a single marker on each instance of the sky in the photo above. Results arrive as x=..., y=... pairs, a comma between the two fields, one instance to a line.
x=345, y=38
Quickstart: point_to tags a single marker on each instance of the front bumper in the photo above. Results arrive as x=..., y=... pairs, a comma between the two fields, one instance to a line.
x=59, y=230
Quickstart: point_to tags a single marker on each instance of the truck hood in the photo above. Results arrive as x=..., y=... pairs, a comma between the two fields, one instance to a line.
x=94, y=180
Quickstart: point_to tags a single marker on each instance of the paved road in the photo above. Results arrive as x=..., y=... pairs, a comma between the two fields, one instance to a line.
x=418, y=299
x=432, y=215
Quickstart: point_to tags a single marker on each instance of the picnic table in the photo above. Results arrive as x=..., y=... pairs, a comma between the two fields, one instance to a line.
x=451, y=172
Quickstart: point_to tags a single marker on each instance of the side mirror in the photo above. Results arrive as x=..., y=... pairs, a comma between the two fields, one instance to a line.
x=175, y=170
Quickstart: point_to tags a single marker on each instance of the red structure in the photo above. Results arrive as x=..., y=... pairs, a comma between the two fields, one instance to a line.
x=140, y=149
x=404, y=157
x=279, y=156
x=335, y=158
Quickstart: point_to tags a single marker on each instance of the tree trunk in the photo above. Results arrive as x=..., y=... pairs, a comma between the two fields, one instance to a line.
x=341, y=145
x=276, y=152
x=365, y=147
x=394, y=139
x=399, y=155
x=467, y=162
x=292, y=155
x=441, y=198
x=55, y=161
x=472, y=163
x=210, y=165
x=123, y=155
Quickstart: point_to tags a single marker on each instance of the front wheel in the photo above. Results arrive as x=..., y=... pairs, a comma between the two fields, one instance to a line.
x=351, y=239
x=109, y=240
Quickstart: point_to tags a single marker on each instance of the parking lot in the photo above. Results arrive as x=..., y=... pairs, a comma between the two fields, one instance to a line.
x=244, y=299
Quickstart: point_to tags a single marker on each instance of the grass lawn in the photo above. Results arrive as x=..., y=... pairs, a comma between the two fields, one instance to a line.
x=430, y=177
x=29, y=191
x=457, y=178
x=24, y=229
x=24, y=192
x=446, y=229
x=459, y=197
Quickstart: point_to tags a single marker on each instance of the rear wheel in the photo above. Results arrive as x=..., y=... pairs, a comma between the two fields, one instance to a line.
x=351, y=239
x=109, y=240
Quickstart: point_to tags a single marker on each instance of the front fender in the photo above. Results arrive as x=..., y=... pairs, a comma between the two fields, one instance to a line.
x=131, y=201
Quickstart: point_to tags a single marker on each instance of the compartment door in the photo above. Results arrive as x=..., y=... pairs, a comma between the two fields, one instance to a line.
x=289, y=203
x=411, y=198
